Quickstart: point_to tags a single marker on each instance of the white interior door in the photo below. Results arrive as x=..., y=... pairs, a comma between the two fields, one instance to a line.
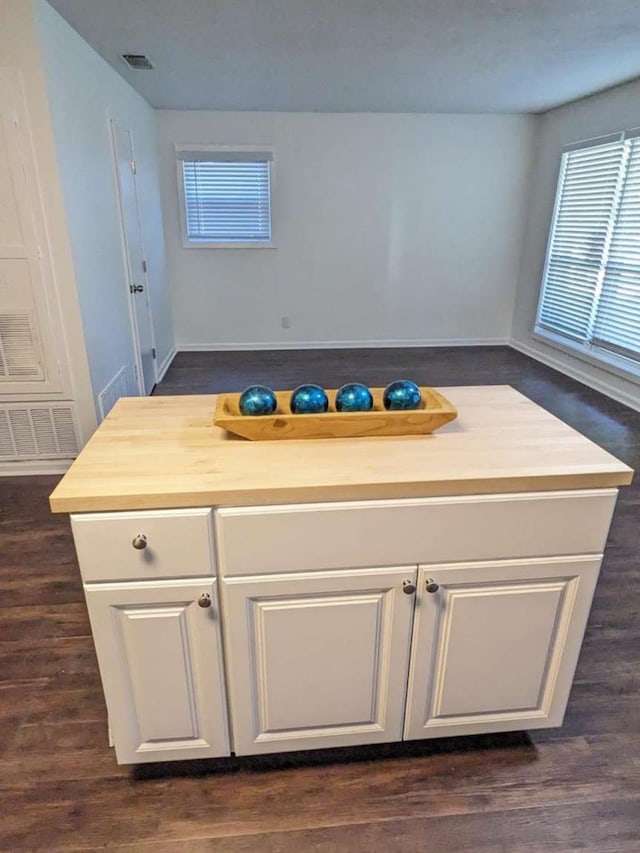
x=29, y=363
x=134, y=259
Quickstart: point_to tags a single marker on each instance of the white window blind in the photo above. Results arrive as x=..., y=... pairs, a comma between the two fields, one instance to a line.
x=227, y=197
x=590, y=292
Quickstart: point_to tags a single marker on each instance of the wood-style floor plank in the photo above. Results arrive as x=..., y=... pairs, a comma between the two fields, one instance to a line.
x=248, y=802
x=576, y=788
x=557, y=829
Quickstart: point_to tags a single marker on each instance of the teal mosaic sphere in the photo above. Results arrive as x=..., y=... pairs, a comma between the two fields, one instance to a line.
x=309, y=400
x=402, y=394
x=354, y=397
x=257, y=400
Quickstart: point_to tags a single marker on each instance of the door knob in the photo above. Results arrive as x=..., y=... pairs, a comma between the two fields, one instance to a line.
x=408, y=587
x=431, y=585
x=204, y=600
x=140, y=542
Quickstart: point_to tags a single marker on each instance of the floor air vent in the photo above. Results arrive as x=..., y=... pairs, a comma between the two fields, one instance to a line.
x=37, y=431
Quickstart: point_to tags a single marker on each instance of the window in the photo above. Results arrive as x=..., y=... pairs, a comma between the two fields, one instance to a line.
x=226, y=197
x=590, y=296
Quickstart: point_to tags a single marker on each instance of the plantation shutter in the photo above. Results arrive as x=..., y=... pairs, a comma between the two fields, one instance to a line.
x=617, y=321
x=591, y=286
x=227, y=196
x=589, y=181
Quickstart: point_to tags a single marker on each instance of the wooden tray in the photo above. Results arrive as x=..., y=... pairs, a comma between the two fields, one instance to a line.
x=434, y=412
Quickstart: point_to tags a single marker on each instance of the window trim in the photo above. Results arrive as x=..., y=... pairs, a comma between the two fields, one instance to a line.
x=593, y=354
x=598, y=357
x=213, y=149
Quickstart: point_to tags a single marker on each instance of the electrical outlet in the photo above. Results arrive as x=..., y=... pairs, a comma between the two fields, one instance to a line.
x=285, y=322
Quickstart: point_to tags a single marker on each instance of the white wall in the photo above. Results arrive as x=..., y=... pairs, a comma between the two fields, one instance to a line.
x=84, y=93
x=19, y=49
x=616, y=109
x=389, y=228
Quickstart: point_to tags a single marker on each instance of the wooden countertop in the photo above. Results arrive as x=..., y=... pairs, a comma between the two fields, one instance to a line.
x=164, y=452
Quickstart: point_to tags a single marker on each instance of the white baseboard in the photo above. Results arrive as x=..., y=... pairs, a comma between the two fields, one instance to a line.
x=292, y=345
x=166, y=362
x=31, y=468
x=583, y=376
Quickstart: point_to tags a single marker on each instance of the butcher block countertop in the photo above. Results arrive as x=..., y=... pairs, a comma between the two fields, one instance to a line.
x=165, y=452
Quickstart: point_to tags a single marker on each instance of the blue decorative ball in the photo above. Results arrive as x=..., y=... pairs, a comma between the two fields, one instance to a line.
x=309, y=400
x=353, y=397
x=258, y=400
x=402, y=394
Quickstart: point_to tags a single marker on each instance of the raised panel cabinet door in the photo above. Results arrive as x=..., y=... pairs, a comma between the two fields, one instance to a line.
x=495, y=645
x=160, y=658
x=318, y=660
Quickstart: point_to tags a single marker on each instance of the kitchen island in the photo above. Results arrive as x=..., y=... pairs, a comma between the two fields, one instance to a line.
x=255, y=597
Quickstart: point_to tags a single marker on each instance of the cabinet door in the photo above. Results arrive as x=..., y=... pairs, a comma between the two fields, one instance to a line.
x=161, y=664
x=317, y=660
x=495, y=646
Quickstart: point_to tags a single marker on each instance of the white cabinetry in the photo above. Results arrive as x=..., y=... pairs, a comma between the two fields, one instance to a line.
x=158, y=640
x=318, y=659
x=175, y=543
x=160, y=658
x=475, y=626
x=496, y=644
x=344, y=534
x=312, y=660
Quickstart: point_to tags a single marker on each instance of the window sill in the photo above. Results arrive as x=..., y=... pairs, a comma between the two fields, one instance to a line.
x=204, y=245
x=596, y=357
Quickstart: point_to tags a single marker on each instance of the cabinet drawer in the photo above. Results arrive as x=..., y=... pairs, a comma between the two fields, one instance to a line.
x=307, y=537
x=179, y=544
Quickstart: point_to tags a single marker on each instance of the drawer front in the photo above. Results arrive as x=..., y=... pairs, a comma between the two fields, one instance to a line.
x=307, y=537
x=177, y=544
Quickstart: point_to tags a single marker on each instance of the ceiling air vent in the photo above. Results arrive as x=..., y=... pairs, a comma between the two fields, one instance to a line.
x=137, y=60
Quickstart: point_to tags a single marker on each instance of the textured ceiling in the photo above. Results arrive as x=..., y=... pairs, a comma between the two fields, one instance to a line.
x=365, y=55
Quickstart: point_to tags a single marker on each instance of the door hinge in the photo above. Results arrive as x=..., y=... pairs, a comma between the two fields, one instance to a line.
x=144, y=266
x=133, y=166
x=153, y=352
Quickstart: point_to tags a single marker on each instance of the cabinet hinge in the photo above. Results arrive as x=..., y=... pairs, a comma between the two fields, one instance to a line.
x=153, y=352
x=133, y=166
x=144, y=266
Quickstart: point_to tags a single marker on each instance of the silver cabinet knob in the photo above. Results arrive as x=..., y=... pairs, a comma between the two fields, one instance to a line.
x=139, y=542
x=204, y=600
x=408, y=587
x=431, y=585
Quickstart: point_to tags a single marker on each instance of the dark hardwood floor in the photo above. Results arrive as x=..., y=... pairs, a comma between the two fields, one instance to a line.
x=576, y=788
